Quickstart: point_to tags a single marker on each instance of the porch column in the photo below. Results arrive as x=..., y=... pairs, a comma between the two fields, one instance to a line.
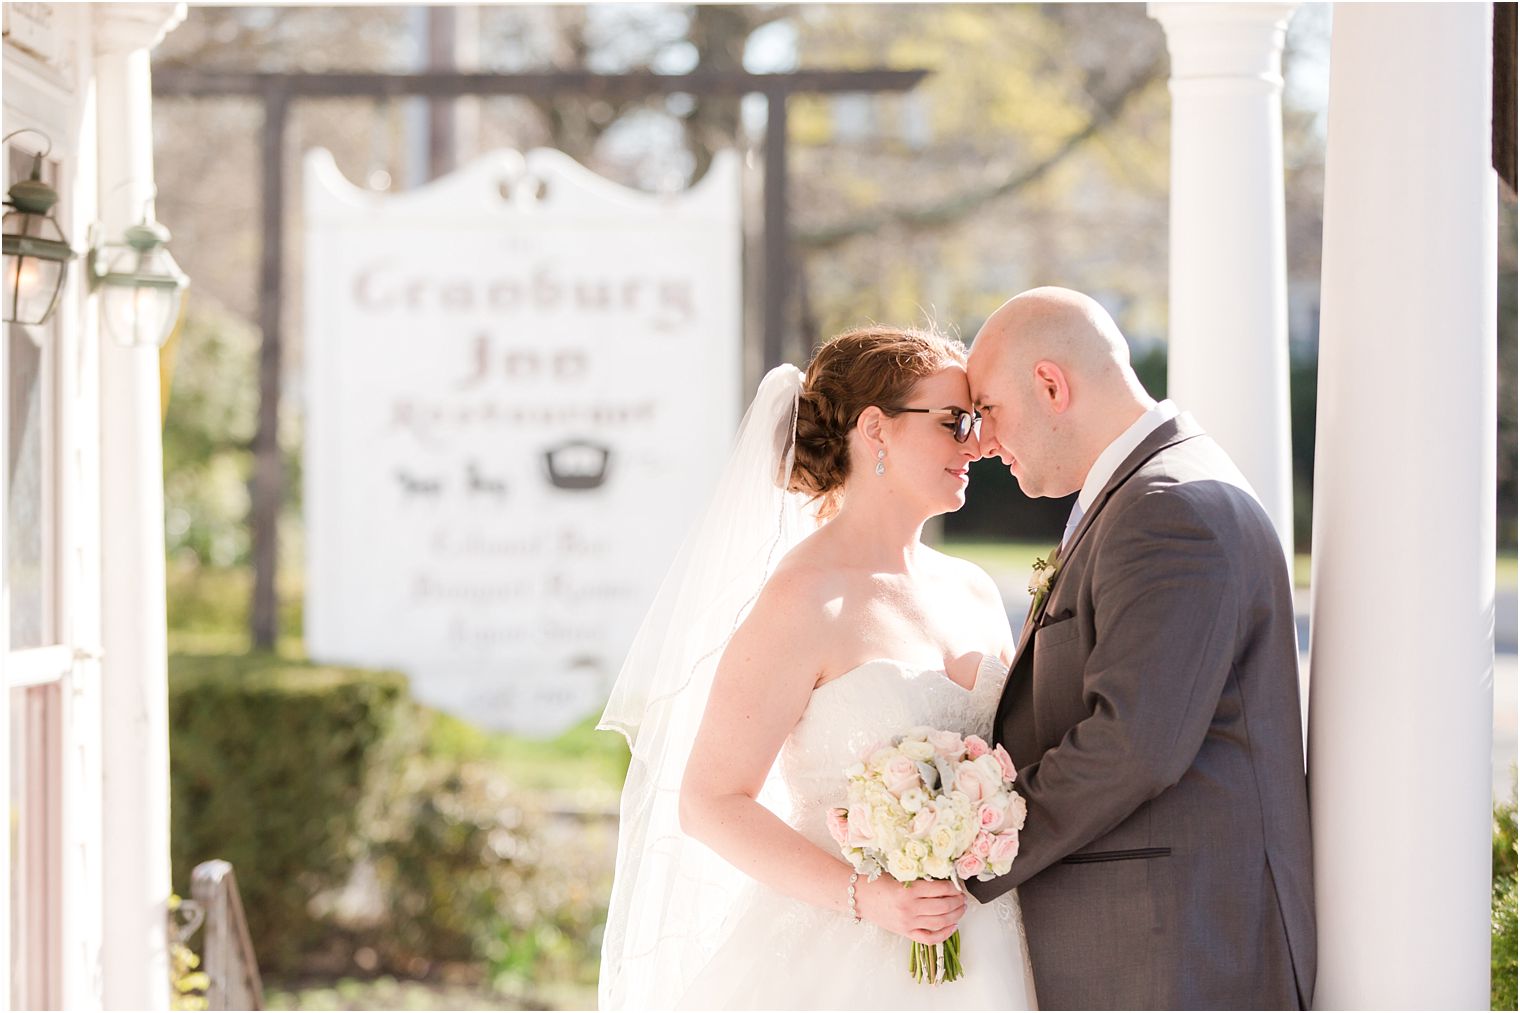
x=1228, y=346
x=135, y=733
x=1401, y=689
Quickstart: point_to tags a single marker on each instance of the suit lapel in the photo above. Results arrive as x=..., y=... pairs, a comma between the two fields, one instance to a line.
x=1168, y=434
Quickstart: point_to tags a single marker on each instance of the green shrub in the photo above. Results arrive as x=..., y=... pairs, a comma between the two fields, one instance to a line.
x=451, y=851
x=471, y=867
x=1503, y=972
x=275, y=765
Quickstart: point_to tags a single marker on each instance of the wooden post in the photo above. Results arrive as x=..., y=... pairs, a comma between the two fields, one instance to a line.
x=268, y=470
x=777, y=231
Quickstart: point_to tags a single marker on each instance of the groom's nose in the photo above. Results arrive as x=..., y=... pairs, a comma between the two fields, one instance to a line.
x=987, y=440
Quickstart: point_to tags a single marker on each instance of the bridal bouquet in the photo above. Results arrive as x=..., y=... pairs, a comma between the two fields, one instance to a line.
x=930, y=804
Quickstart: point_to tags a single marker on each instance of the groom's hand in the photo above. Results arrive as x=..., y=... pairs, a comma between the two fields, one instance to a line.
x=926, y=911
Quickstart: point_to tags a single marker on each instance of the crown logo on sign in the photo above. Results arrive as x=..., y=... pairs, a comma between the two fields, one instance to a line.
x=577, y=464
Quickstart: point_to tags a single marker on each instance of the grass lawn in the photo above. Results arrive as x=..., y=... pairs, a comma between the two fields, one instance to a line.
x=581, y=762
x=1017, y=559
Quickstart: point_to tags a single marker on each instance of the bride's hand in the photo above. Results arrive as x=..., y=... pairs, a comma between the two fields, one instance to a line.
x=926, y=911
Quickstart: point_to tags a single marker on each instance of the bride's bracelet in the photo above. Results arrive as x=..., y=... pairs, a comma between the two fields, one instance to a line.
x=854, y=911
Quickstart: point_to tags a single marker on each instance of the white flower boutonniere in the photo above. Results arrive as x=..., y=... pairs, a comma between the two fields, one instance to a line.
x=1040, y=579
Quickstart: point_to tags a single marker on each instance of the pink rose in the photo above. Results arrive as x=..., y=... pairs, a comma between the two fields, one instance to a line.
x=981, y=845
x=990, y=817
x=975, y=746
x=873, y=749
x=1005, y=761
x=947, y=744
x=900, y=775
x=967, y=780
x=968, y=865
x=859, y=823
x=923, y=821
x=1005, y=848
x=839, y=826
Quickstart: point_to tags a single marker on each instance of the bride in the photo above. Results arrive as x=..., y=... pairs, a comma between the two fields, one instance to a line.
x=803, y=620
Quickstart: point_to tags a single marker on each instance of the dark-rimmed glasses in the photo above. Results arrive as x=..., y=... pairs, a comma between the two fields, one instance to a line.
x=966, y=422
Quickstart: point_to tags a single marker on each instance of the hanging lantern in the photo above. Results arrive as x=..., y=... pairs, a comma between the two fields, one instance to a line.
x=141, y=287
x=36, y=254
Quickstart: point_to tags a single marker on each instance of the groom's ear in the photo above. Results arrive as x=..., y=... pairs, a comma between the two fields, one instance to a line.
x=1050, y=382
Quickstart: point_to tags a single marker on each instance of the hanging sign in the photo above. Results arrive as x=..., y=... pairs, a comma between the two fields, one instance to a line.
x=520, y=382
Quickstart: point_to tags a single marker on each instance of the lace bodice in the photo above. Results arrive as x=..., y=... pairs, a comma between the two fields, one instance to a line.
x=867, y=704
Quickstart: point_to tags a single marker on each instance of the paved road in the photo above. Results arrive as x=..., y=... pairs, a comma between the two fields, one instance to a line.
x=1506, y=667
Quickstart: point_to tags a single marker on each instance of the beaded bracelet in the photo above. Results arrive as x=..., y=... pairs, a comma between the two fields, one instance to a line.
x=854, y=911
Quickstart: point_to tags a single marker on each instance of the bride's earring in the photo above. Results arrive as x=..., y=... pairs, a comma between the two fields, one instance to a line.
x=881, y=461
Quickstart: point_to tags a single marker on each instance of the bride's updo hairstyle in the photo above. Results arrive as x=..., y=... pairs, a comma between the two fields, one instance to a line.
x=866, y=366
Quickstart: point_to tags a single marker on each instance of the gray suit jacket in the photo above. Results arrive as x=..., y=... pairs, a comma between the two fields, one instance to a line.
x=1153, y=715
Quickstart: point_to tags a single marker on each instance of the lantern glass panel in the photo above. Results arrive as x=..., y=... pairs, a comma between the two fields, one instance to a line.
x=140, y=301
x=31, y=282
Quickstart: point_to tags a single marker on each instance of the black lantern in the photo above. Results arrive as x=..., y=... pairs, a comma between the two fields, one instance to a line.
x=35, y=251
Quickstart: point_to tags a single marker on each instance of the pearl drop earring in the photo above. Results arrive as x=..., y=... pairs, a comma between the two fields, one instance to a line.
x=881, y=461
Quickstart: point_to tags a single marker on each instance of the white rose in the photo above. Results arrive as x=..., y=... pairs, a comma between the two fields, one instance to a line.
x=916, y=850
x=942, y=841
x=917, y=750
x=991, y=773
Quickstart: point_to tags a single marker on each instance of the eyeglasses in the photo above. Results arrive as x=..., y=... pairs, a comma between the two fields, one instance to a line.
x=966, y=422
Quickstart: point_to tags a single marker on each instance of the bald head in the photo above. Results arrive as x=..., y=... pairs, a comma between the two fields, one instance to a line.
x=1061, y=326
x=1051, y=374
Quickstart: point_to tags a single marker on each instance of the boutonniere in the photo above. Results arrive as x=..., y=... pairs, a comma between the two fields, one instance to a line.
x=1040, y=579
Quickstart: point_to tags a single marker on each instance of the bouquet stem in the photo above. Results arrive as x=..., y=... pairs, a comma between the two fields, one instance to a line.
x=934, y=963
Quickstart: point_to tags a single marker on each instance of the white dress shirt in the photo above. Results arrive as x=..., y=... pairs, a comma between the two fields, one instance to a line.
x=1113, y=455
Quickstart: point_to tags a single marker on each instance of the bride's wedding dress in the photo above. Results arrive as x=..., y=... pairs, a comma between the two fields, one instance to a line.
x=781, y=953
x=686, y=927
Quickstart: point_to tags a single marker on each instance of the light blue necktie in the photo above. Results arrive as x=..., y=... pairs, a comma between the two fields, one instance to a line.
x=1071, y=523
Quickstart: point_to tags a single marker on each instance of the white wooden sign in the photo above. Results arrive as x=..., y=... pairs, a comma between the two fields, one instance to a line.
x=521, y=382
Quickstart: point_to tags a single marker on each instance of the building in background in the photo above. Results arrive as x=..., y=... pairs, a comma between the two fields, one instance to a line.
x=83, y=736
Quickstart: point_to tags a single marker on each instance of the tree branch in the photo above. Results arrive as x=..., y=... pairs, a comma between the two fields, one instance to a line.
x=949, y=210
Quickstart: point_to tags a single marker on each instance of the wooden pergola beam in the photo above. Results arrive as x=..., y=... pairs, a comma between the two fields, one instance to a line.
x=171, y=82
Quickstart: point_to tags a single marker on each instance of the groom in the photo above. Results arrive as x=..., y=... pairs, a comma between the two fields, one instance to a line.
x=1153, y=707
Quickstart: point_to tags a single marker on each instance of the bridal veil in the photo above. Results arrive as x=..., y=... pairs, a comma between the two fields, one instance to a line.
x=671, y=893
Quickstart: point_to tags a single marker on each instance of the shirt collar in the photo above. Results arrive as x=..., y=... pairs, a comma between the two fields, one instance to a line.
x=1124, y=445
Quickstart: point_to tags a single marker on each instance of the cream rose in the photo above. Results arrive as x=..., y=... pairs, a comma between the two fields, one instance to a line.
x=902, y=868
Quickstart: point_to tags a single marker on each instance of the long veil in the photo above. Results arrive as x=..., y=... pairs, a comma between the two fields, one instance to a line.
x=670, y=893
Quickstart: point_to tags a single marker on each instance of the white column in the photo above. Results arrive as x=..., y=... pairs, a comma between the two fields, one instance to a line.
x=1401, y=694
x=135, y=733
x=1228, y=347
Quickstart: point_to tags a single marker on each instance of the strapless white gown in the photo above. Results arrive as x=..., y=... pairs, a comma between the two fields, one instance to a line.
x=781, y=953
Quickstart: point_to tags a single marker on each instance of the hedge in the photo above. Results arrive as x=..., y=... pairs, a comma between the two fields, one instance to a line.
x=274, y=766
